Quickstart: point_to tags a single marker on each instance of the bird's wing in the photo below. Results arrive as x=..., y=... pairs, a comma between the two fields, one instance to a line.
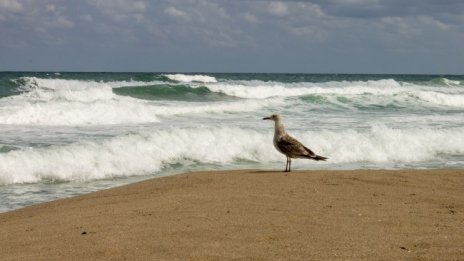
x=310, y=152
x=290, y=146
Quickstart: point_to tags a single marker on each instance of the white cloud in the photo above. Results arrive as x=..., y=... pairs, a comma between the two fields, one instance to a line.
x=119, y=6
x=311, y=34
x=51, y=8
x=10, y=6
x=278, y=8
x=430, y=21
x=121, y=10
x=35, y=16
x=273, y=25
x=176, y=13
x=354, y=2
x=61, y=22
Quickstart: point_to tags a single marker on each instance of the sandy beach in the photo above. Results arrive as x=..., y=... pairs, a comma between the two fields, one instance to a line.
x=251, y=215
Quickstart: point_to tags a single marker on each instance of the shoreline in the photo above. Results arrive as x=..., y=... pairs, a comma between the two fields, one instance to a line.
x=252, y=215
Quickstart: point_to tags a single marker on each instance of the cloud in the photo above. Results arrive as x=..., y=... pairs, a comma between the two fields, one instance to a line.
x=33, y=16
x=121, y=10
x=210, y=23
x=61, y=22
x=30, y=23
x=11, y=6
x=278, y=8
x=377, y=9
x=176, y=13
x=251, y=18
x=242, y=31
x=87, y=18
x=120, y=6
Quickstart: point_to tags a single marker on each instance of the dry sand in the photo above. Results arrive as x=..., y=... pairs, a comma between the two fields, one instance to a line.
x=250, y=215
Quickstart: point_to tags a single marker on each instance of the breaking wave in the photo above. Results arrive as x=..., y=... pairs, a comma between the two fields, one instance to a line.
x=191, y=78
x=171, y=92
x=75, y=102
x=146, y=153
x=368, y=91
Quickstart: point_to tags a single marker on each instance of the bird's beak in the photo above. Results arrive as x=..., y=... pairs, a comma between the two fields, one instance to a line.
x=266, y=118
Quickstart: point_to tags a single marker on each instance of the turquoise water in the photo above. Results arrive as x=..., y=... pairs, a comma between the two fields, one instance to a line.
x=64, y=134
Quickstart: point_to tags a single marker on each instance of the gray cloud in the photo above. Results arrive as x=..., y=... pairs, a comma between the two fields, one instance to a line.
x=121, y=10
x=220, y=35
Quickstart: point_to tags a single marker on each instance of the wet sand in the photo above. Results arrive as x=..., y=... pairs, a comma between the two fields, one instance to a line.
x=251, y=215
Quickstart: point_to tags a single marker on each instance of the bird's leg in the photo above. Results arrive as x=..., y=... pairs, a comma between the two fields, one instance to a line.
x=289, y=164
x=286, y=166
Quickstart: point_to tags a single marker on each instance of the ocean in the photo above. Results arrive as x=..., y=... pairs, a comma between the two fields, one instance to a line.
x=64, y=134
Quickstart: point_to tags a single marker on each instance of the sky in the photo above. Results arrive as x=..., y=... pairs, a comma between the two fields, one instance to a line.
x=292, y=36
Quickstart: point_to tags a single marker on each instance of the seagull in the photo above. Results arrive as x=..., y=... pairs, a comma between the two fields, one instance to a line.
x=288, y=145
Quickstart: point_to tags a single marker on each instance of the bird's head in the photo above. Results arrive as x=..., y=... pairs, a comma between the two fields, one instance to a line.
x=273, y=117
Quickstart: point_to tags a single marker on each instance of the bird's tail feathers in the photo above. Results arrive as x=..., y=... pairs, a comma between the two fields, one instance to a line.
x=317, y=157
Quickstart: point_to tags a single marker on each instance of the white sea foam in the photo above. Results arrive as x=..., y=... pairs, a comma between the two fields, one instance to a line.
x=182, y=108
x=369, y=91
x=73, y=102
x=77, y=113
x=384, y=144
x=69, y=84
x=191, y=78
x=264, y=90
x=132, y=155
x=451, y=82
x=452, y=100
x=149, y=152
x=121, y=110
